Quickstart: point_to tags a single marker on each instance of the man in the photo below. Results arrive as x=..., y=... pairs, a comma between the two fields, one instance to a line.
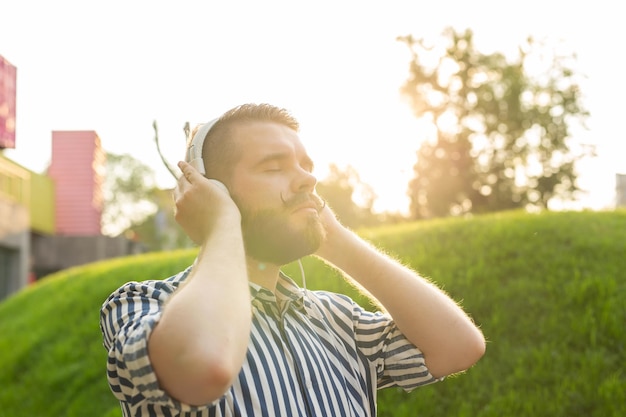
x=233, y=336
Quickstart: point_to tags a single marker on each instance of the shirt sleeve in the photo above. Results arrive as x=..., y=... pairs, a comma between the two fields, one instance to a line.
x=398, y=362
x=127, y=319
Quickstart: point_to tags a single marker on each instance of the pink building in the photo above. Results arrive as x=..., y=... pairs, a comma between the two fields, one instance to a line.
x=8, y=77
x=77, y=169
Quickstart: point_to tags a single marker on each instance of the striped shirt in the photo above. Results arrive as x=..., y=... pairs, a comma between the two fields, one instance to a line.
x=311, y=353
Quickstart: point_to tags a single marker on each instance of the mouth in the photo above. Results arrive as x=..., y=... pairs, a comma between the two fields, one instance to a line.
x=304, y=202
x=308, y=206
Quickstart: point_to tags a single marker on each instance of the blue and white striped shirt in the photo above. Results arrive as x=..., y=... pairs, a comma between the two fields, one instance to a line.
x=311, y=353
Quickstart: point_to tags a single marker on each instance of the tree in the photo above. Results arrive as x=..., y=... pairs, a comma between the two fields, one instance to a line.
x=128, y=191
x=340, y=189
x=502, y=129
x=160, y=231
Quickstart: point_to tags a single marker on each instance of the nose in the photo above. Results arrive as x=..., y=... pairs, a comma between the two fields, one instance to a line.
x=304, y=181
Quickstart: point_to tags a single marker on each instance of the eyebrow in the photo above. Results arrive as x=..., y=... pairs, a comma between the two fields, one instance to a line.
x=305, y=162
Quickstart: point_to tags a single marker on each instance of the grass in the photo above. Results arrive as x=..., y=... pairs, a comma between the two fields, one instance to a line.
x=548, y=291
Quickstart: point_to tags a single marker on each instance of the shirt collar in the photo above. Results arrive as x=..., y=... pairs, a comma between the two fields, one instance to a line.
x=287, y=292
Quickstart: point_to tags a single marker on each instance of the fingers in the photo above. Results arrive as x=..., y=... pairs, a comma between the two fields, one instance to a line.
x=189, y=172
x=185, y=180
x=193, y=176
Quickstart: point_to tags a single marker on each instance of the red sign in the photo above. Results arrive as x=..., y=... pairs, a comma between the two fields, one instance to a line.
x=8, y=77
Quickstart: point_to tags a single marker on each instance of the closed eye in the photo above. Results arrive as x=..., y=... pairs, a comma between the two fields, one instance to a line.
x=278, y=161
x=272, y=165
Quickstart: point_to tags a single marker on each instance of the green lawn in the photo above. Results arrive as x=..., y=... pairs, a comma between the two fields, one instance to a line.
x=547, y=289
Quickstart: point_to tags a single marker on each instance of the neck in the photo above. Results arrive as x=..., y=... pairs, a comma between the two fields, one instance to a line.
x=263, y=273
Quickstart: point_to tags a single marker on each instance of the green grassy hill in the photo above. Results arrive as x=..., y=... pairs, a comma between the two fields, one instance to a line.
x=548, y=290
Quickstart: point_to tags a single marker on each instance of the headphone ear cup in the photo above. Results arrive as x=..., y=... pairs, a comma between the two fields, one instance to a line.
x=194, y=148
x=220, y=185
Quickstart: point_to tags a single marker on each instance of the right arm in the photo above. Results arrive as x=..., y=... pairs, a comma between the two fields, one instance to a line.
x=199, y=345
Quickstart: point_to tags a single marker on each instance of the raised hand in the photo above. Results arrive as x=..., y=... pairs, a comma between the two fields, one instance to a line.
x=200, y=203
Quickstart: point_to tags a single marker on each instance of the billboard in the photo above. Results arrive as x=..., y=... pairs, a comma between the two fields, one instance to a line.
x=8, y=77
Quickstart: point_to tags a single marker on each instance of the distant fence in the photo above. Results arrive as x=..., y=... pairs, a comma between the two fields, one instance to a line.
x=54, y=253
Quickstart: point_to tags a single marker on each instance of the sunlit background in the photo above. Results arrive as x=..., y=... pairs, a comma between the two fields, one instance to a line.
x=116, y=66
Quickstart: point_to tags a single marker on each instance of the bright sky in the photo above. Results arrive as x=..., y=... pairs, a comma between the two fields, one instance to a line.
x=116, y=66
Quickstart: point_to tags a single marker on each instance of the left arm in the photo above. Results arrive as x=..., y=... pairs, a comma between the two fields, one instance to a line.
x=428, y=317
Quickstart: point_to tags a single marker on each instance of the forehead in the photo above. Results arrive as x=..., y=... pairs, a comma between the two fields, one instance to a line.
x=257, y=139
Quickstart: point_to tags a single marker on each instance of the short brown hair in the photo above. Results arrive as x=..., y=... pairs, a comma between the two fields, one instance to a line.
x=219, y=153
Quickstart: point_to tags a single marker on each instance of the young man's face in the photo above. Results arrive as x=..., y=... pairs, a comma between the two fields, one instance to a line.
x=273, y=187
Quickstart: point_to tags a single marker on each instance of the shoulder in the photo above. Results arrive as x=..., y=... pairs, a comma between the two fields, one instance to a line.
x=153, y=288
x=339, y=303
x=342, y=308
x=149, y=289
x=136, y=302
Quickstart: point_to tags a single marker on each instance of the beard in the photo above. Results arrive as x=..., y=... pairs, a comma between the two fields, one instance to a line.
x=271, y=235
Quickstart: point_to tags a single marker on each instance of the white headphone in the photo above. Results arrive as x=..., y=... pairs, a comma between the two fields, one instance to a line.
x=194, y=150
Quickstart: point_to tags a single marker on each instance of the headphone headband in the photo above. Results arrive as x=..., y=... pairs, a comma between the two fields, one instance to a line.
x=194, y=150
